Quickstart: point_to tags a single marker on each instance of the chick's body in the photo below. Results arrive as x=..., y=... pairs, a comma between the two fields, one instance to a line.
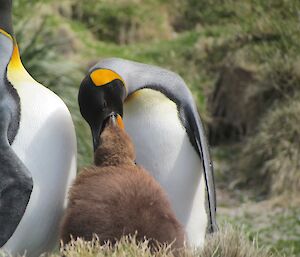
x=116, y=197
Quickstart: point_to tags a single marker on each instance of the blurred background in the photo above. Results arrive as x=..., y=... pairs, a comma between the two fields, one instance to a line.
x=241, y=60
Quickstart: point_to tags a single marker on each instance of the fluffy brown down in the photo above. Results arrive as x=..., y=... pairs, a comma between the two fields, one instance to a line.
x=117, y=197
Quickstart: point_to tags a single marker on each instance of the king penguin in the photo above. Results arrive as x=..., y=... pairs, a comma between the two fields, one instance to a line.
x=162, y=119
x=37, y=153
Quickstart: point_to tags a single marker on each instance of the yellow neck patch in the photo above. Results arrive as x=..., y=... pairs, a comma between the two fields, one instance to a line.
x=15, y=62
x=16, y=73
x=103, y=76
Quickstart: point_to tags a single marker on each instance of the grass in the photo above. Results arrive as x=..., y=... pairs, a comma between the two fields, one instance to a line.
x=271, y=158
x=273, y=224
x=228, y=242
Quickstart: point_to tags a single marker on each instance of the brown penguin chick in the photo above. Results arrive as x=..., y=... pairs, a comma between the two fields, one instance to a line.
x=116, y=197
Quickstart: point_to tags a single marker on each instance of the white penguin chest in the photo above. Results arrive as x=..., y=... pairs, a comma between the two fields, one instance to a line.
x=164, y=149
x=46, y=144
x=152, y=121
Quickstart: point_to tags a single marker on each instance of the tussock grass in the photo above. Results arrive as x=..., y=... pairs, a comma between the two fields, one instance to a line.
x=229, y=242
x=127, y=246
x=122, y=22
x=271, y=158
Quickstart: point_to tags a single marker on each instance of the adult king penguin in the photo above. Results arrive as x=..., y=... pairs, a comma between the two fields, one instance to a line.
x=162, y=119
x=37, y=153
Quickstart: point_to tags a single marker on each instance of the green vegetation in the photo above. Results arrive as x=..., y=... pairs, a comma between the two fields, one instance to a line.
x=241, y=59
x=121, y=21
x=272, y=156
x=273, y=223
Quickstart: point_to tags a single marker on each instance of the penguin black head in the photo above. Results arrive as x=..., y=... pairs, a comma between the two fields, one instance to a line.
x=101, y=95
x=5, y=14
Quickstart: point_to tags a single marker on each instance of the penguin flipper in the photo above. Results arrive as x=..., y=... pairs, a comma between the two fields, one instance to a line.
x=15, y=180
x=15, y=190
x=195, y=129
x=16, y=183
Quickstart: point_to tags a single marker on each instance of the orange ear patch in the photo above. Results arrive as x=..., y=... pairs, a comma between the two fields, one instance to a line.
x=101, y=77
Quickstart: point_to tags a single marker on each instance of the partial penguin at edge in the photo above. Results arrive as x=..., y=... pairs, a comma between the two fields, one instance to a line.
x=40, y=140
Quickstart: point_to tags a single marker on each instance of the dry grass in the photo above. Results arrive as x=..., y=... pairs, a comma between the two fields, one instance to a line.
x=229, y=242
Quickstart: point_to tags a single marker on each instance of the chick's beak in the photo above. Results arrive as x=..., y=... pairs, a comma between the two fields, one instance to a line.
x=116, y=120
x=120, y=121
x=113, y=119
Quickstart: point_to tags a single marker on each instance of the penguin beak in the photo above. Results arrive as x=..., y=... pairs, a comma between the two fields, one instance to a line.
x=116, y=120
x=113, y=118
x=97, y=131
x=96, y=137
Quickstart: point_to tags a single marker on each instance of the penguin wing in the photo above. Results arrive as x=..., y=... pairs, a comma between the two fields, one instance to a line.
x=15, y=189
x=193, y=125
x=15, y=180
